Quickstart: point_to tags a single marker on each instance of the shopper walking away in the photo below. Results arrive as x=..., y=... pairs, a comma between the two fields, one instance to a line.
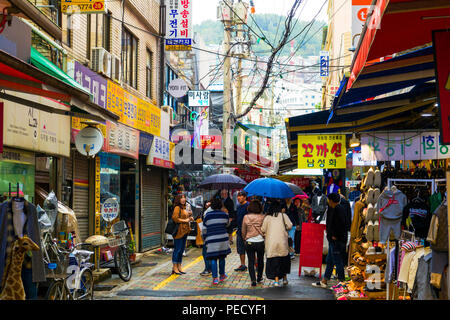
x=294, y=215
x=275, y=230
x=182, y=217
x=228, y=204
x=215, y=225
x=241, y=211
x=207, y=271
x=337, y=238
x=254, y=240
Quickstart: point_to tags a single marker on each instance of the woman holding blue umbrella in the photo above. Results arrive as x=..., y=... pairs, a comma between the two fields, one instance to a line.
x=275, y=227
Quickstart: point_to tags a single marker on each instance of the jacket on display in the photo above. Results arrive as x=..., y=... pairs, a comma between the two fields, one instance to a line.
x=319, y=206
x=390, y=204
x=438, y=231
x=420, y=216
x=422, y=289
x=33, y=232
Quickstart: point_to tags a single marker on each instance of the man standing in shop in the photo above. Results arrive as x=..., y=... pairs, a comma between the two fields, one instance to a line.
x=240, y=213
x=336, y=229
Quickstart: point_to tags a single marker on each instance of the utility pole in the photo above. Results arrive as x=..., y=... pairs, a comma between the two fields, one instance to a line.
x=226, y=87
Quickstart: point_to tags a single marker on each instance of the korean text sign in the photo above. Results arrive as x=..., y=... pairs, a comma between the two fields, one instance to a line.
x=83, y=6
x=403, y=146
x=92, y=81
x=179, y=25
x=323, y=151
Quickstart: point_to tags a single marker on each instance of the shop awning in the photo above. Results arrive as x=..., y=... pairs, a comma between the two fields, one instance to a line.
x=412, y=69
x=394, y=26
x=255, y=130
x=388, y=113
x=16, y=75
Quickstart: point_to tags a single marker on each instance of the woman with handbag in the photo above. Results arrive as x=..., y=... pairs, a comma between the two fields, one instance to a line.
x=275, y=229
x=181, y=217
x=254, y=240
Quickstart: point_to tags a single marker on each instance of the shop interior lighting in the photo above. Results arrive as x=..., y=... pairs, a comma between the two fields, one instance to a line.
x=354, y=141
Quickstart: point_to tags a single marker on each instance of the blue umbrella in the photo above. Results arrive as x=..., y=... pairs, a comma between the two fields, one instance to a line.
x=222, y=181
x=269, y=187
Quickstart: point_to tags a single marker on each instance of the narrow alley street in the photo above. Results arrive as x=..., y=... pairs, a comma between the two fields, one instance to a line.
x=152, y=281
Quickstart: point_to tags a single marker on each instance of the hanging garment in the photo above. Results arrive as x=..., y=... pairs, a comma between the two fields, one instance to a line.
x=406, y=264
x=32, y=230
x=439, y=260
x=390, y=208
x=435, y=201
x=438, y=231
x=420, y=216
x=420, y=252
x=422, y=289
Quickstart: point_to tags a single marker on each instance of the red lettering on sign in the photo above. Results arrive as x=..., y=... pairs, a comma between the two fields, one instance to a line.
x=336, y=150
x=308, y=147
x=322, y=150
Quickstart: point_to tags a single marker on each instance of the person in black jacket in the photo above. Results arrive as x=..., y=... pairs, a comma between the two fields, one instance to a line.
x=230, y=209
x=337, y=232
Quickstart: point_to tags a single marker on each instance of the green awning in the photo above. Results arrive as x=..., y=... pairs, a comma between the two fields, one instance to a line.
x=253, y=129
x=43, y=64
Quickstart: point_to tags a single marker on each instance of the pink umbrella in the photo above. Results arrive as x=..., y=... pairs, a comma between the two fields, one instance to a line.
x=301, y=197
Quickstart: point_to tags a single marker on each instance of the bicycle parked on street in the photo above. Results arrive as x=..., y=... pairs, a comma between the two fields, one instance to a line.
x=73, y=281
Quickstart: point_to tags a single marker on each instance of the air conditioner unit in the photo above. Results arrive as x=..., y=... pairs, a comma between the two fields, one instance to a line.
x=101, y=61
x=116, y=68
x=171, y=113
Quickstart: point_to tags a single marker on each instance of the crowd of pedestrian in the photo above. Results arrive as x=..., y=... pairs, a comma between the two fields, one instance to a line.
x=269, y=228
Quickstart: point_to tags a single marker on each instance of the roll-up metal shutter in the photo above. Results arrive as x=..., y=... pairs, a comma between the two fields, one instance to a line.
x=151, y=208
x=81, y=192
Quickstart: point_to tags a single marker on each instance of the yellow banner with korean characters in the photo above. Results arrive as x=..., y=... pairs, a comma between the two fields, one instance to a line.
x=322, y=151
x=133, y=111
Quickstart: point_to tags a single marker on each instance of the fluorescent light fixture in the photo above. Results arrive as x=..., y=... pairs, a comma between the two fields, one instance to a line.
x=426, y=114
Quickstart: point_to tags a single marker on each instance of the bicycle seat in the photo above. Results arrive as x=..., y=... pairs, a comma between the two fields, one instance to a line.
x=97, y=240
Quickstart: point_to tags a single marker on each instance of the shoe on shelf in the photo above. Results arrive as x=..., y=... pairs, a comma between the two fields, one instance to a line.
x=215, y=281
x=241, y=268
x=276, y=284
x=285, y=282
x=223, y=277
x=319, y=284
x=205, y=273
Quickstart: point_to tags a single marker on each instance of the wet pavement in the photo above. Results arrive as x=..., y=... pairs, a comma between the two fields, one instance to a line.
x=152, y=280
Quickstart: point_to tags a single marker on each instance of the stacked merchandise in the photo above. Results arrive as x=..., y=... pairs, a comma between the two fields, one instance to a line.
x=367, y=258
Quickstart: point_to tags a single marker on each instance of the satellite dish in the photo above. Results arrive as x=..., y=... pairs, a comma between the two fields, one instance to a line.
x=89, y=141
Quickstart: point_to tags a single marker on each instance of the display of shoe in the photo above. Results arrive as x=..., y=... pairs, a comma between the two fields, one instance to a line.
x=370, y=177
x=376, y=195
x=371, y=250
x=285, y=282
x=369, y=234
x=370, y=212
x=377, y=178
x=276, y=284
x=376, y=231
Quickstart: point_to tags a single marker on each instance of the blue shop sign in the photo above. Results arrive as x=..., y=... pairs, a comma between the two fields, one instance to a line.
x=145, y=143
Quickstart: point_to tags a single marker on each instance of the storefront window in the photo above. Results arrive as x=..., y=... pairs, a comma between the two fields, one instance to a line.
x=17, y=167
x=109, y=182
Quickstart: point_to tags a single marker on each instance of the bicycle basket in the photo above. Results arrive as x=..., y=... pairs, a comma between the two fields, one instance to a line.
x=119, y=227
x=117, y=240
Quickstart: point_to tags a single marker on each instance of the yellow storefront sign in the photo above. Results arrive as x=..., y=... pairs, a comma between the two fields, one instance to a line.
x=323, y=151
x=83, y=6
x=114, y=99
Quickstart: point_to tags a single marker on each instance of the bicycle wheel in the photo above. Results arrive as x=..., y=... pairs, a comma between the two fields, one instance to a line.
x=122, y=263
x=86, y=286
x=56, y=291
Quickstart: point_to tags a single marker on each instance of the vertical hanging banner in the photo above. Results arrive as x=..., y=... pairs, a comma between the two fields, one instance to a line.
x=441, y=45
x=323, y=151
x=179, y=25
x=97, y=195
x=324, y=63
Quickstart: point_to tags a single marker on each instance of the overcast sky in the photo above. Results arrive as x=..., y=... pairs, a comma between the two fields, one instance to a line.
x=207, y=9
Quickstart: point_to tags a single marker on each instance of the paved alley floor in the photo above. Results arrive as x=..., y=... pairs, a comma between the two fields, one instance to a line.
x=152, y=280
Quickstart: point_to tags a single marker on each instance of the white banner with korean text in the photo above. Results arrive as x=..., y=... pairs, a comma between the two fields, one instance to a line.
x=403, y=146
